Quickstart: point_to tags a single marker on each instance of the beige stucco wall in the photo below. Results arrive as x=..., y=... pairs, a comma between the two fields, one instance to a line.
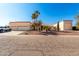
x=61, y=25
x=68, y=25
x=19, y=25
x=55, y=26
x=64, y=25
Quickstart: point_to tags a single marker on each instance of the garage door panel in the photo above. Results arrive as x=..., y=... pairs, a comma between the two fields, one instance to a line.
x=22, y=28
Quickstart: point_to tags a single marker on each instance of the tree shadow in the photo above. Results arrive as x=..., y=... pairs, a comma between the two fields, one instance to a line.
x=49, y=33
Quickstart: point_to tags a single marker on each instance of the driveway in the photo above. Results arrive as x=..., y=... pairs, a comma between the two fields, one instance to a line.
x=11, y=33
x=37, y=45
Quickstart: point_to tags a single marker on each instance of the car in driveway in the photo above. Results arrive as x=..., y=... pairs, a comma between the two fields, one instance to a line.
x=4, y=29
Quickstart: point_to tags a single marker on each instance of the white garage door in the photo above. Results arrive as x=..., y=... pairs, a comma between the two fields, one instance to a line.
x=23, y=28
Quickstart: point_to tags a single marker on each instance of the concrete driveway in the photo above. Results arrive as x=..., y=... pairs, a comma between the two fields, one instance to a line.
x=11, y=33
x=39, y=45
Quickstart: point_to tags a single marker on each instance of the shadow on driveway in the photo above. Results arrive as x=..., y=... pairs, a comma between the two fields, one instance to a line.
x=49, y=33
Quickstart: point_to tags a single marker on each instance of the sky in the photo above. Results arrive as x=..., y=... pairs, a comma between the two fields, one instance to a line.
x=50, y=13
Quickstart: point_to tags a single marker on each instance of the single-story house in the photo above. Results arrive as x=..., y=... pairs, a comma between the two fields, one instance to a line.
x=20, y=25
x=64, y=25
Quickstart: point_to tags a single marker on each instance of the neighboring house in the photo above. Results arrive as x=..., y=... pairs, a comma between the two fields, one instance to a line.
x=64, y=25
x=20, y=25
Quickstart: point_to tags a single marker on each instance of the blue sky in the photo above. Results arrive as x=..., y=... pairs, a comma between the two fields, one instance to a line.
x=50, y=13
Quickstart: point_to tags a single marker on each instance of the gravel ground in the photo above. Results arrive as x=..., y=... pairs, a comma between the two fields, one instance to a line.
x=39, y=45
x=49, y=33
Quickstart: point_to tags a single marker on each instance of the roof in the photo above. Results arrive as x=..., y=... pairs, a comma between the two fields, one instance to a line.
x=67, y=20
x=21, y=22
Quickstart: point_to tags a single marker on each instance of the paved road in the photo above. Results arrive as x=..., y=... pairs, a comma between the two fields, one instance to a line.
x=39, y=45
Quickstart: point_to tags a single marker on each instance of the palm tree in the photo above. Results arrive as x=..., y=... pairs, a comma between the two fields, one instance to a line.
x=34, y=17
x=77, y=24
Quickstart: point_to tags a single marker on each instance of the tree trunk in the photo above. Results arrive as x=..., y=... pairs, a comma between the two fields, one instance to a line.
x=58, y=26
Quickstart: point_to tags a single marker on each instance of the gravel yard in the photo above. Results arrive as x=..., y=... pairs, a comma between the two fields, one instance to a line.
x=39, y=45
